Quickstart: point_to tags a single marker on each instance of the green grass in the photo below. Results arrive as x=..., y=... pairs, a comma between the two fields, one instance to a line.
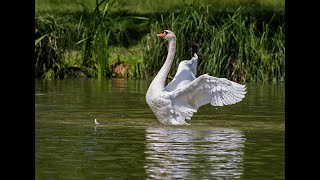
x=235, y=45
x=81, y=37
x=88, y=38
x=152, y=6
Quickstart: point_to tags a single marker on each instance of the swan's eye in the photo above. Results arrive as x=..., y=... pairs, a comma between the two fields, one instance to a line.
x=164, y=32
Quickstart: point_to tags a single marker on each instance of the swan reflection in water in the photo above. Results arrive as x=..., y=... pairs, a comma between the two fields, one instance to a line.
x=192, y=153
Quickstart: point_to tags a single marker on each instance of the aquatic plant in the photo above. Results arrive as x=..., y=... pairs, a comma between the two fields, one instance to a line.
x=230, y=45
x=50, y=33
x=246, y=44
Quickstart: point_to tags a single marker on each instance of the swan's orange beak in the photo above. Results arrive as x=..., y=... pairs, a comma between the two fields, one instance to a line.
x=162, y=34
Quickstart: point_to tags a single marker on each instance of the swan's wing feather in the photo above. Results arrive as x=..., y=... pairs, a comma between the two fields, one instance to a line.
x=183, y=76
x=194, y=61
x=207, y=89
x=204, y=90
x=181, y=79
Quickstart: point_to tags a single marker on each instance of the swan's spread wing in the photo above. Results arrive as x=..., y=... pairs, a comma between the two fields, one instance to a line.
x=181, y=79
x=204, y=90
x=185, y=74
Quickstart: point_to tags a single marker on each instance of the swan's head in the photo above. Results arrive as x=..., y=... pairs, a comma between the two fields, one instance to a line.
x=167, y=34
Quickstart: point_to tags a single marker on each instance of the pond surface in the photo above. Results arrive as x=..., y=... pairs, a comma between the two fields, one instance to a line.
x=244, y=140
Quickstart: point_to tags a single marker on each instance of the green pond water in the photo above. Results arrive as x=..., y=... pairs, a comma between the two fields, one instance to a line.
x=242, y=141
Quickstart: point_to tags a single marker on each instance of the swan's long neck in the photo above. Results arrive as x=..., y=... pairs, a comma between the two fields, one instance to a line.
x=160, y=79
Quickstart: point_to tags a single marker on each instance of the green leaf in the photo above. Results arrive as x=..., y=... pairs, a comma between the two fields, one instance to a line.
x=39, y=39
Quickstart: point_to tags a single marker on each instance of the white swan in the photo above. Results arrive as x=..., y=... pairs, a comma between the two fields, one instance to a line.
x=183, y=96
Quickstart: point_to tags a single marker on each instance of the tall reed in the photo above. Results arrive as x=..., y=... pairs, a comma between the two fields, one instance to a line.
x=229, y=46
x=241, y=45
x=96, y=39
x=47, y=46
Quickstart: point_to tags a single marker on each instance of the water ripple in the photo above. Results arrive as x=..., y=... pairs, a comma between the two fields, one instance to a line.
x=175, y=153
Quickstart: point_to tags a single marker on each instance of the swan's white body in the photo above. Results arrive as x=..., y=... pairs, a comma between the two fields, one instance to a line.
x=183, y=96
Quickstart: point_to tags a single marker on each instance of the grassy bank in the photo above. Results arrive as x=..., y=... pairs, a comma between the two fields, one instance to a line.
x=153, y=6
x=86, y=39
